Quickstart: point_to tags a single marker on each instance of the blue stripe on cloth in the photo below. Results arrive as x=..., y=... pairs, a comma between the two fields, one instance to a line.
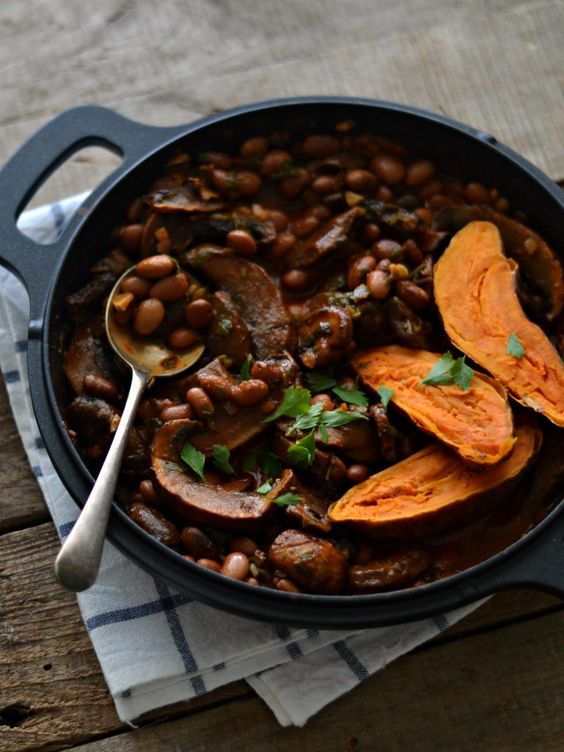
x=219, y=666
x=126, y=693
x=312, y=632
x=352, y=661
x=20, y=345
x=65, y=529
x=11, y=377
x=180, y=640
x=39, y=443
x=294, y=650
x=58, y=215
x=37, y=471
x=441, y=622
x=136, y=612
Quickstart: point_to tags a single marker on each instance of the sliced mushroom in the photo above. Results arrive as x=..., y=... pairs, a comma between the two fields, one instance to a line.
x=312, y=562
x=310, y=513
x=88, y=353
x=325, y=336
x=254, y=294
x=398, y=569
x=228, y=334
x=201, y=503
x=358, y=441
x=326, y=240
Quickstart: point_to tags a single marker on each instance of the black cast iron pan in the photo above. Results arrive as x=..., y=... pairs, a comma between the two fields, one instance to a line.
x=49, y=272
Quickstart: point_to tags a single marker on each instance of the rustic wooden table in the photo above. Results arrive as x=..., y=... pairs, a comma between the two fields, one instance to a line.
x=496, y=681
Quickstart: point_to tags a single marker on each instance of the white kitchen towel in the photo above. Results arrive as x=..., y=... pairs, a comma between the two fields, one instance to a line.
x=157, y=646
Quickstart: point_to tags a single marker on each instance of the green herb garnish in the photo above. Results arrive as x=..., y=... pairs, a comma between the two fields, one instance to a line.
x=245, y=372
x=302, y=453
x=385, y=394
x=319, y=382
x=514, y=346
x=266, y=487
x=269, y=463
x=309, y=420
x=221, y=458
x=194, y=459
x=448, y=370
x=287, y=500
x=334, y=418
x=352, y=396
x=296, y=401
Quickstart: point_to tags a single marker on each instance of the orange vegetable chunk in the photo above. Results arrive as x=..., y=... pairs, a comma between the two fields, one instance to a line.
x=431, y=491
x=477, y=423
x=476, y=296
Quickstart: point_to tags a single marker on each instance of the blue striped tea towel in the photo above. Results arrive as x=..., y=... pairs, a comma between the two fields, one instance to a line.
x=156, y=646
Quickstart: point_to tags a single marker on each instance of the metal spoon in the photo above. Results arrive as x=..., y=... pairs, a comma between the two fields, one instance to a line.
x=78, y=561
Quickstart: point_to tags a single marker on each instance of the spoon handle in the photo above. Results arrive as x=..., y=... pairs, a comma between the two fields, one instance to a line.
x=77, y=563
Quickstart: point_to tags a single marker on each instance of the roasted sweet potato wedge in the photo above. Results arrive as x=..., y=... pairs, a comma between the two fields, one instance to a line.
x=431, y=491
x=477, y=423
x=476, y=297
x=201, y=503
x=536, y=259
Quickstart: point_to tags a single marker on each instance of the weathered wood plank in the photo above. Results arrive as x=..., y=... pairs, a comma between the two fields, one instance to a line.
x=48, y=666
x=502, y=690
x=21, y=502
x=497, y=66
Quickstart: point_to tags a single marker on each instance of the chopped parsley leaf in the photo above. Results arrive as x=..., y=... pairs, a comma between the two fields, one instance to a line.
x=194, y=459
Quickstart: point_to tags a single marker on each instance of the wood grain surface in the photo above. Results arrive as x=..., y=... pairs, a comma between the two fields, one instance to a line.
x=495, y=681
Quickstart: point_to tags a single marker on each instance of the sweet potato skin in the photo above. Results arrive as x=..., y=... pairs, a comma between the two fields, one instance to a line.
x=477, y=423
x=431, y=491
x=476, y=297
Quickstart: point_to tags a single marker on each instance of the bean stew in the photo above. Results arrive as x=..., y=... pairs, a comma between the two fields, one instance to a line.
x=382, y=365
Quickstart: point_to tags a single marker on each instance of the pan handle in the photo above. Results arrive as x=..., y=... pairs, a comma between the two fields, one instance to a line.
x=540, y=565
x=31, y=165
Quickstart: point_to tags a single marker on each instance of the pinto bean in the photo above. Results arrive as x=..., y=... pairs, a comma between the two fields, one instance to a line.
x=148, y=316
x=155, y=267
x=147, y=491
x=243, y=544
x=209, y=564
x=241, y=242
x=357, y=473
x=419, y=172
x=137, y=286
x=198, y=544
x=379, y=284
x=358, y=270
x=412, y=295
x=286, y=586
x=177, y=412
x=283, y=244
x=293, y=186
x=236, y=565
x=274, y=161
x=295, y=280
x=387, y=249
x=200, y=402
x=218, y=159
x=98, y=386
x=155, y=523
x=320, y=145
x=256, y=146
x=326, y=184
x=249, y=392
x=247, y=183
x=130, y=237
x=325, y=400
x=181, y=338
x=476, y=193
x=170, y=288
x=388, y=168
x=361, y=181
x=279, y=220
x=305, y=225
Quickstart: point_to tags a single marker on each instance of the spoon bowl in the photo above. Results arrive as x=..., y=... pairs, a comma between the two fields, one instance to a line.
x=78, y=561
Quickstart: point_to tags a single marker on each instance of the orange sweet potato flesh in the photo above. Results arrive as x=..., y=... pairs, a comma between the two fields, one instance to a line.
x=477, y=423
x=431, y=491
x=476, y=297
